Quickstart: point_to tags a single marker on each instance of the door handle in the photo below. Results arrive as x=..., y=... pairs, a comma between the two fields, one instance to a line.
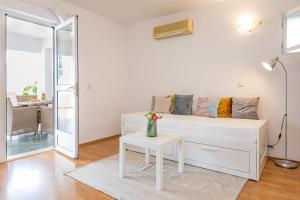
x=73, y=87
x=70, y=88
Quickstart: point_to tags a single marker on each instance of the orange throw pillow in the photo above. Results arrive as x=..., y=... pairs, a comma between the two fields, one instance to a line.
x=225, y=108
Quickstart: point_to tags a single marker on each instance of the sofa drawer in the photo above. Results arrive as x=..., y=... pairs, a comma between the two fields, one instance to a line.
x=218, y=156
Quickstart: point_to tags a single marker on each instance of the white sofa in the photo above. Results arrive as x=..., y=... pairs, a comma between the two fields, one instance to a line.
x=233, y=146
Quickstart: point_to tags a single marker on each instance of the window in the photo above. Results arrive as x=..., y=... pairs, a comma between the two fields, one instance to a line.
x=291, y=31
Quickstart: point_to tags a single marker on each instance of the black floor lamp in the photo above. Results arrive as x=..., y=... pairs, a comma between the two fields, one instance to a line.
x=269, y=65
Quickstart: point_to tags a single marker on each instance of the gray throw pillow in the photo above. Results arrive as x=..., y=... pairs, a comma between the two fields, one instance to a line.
x=244, y=108
x=183, y=104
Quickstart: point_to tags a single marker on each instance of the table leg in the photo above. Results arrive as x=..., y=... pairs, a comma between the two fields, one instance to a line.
x=159, y=169
x=147, y=155
x=180, y=156
x=122, y=159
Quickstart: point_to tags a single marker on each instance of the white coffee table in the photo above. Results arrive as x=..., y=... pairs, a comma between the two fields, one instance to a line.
x=152, y=143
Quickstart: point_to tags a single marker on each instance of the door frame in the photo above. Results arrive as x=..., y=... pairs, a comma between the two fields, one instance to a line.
x=3, y=80
x=3, y=111
x=74, y=22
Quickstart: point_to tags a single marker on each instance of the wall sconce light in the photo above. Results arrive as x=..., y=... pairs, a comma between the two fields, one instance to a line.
x=248, y=23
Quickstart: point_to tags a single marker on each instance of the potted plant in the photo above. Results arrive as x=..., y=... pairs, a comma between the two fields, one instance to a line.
x=30, y=90
x=152, y=124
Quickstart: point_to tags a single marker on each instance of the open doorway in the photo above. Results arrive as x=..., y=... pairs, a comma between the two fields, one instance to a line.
x=39, y=87
x=29, y=86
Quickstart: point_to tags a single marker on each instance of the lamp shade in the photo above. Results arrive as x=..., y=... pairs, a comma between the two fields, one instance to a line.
x=270, y=64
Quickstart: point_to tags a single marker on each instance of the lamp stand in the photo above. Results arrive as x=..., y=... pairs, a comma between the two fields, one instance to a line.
x=285, y=163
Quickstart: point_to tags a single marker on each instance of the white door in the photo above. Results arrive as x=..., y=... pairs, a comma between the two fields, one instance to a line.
x=66, y=88
x=2, y=89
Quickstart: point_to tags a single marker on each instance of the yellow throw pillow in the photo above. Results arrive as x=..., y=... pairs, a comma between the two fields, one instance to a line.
x=225, y=108
x=172, y=100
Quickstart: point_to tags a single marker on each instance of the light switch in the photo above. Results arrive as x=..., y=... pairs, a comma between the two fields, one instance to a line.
x=88, y=87
x=240, y=84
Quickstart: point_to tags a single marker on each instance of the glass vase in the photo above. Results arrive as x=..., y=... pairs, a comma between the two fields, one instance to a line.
x=151, y=128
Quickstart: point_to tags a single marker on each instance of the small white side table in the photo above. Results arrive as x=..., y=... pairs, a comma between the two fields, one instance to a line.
x=152, y=143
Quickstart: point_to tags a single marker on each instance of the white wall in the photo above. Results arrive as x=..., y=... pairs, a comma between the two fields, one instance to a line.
x=102, y=72
x=102, y=68
x=23, y=43
x=212, y=61
x=48, y=62
x=47, y=52
x=23, y=69
x=24, y=62
x=27, y=62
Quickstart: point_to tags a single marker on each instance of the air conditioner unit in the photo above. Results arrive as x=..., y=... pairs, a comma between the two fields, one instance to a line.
x=175, y=29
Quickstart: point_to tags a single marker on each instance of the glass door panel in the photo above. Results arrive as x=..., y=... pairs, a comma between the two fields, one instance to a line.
x=66, y=111
x=66, y=88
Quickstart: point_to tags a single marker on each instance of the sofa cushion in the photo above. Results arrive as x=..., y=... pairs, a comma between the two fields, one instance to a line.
x=172, y=100
x=224, y=108
x=245, y=108
x=207, y=107
x=168, y=96
x=183, y=104
x=162, y=105
x=198, y=127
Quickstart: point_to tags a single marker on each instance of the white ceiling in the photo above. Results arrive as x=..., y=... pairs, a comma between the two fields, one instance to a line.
x=133, y=11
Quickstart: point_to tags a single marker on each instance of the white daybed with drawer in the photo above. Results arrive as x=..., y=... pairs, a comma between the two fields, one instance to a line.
x=233, y=146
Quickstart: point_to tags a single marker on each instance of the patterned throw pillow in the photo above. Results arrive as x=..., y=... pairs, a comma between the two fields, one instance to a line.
x=224, y=108
x=162, y=105
x=169, y=96
x=183, y=104
x=207, y=107
x=245, y=108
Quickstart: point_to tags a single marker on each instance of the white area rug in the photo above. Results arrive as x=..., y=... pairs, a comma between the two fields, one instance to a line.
x=194, y=184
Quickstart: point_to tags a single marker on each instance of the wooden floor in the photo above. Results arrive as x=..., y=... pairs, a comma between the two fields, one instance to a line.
x=40, y=177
